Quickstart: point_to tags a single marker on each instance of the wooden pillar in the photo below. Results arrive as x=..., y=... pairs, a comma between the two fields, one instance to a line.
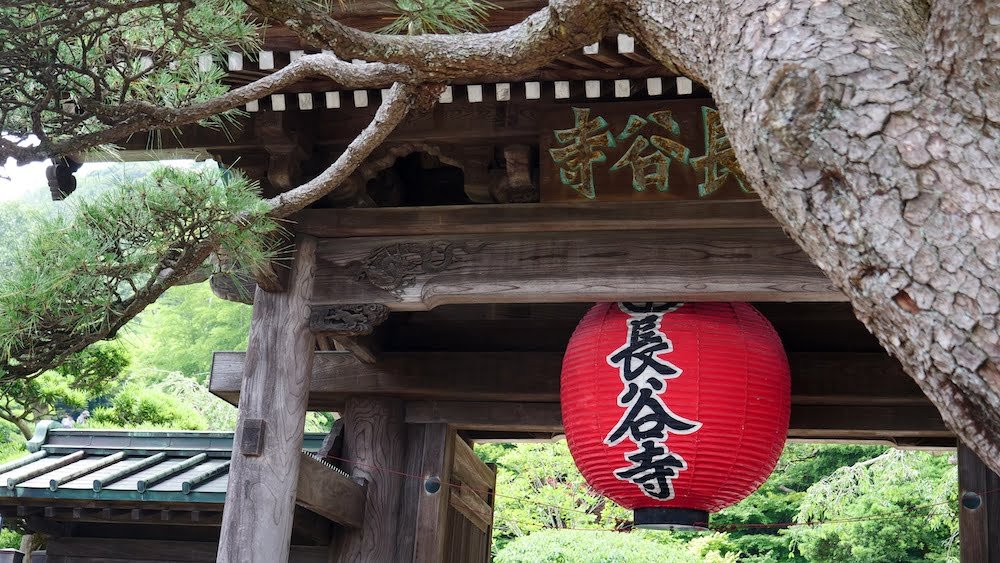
x=979, y=514
x=430, y=452
x=260, y=499
x=374, y=442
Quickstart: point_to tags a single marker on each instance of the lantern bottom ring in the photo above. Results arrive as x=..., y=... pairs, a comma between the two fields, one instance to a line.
x=681, y=519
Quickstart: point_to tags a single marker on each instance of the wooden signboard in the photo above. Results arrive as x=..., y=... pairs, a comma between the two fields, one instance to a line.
x=670, y=149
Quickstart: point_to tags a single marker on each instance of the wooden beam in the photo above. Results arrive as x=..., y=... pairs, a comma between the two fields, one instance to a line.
x=471, y=470
x=817, y=378
x=260, y=497
x=420, y=273
x=473, y=507
x=808, y=422
x=474, y=484
x=472, y=376
x=979, y=512
x=329, y=492
x=483, y=415
x=532, y=217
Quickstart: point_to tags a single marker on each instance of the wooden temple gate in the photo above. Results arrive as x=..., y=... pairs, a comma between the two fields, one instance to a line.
x=430, y=298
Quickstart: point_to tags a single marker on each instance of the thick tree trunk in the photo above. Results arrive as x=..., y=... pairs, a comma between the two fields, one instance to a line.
x=873, y=137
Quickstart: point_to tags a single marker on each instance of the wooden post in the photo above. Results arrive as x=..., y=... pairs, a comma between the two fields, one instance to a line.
x=260, y=499
x=374, y=442
x=979, y=515
x=424, y=507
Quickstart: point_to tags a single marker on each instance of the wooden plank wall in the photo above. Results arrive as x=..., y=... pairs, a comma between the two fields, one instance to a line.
x=465, y=542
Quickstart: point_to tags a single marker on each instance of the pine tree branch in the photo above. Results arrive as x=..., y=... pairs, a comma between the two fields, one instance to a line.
x=390, y=114
x=139, y=116
x=561, y=26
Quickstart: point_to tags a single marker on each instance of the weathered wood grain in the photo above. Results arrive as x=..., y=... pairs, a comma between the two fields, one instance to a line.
x=374, y=442
x=473, y=507
x=328, y=493
x=471, y=470
x=257, y=519
x=419, y=273
x=410, y=495
x=532, y=217
x=432, y=507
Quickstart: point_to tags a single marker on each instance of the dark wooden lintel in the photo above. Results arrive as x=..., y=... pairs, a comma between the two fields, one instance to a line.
x=416, y=273
x=808, y=422
x=869, y=379
x=834, y=396
x=532, y=217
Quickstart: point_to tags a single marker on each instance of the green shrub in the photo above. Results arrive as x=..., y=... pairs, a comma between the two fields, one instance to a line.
x=138, y=407
x=9, y=539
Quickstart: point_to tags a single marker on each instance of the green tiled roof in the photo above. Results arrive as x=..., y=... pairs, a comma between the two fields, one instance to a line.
x=123, y=465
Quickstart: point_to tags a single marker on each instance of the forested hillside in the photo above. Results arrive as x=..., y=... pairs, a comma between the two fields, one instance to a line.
x=823, y=503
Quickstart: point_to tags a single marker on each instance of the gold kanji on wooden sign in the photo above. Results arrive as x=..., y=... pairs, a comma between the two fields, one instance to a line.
x=648, y=146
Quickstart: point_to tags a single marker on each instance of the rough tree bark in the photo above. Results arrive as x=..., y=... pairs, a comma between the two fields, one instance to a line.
x=870, y=131
x=869, y=128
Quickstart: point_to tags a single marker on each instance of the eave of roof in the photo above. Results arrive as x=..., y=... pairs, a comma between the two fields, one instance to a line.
x=123, y=466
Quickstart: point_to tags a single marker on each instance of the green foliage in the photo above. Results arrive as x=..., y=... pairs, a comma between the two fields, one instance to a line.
x=9, y=539
x=217, y=414
x=85, y=375
x=80, y=270
x=182, y=329
x=915, y=491
x=778, y=499
x=439, y=16
x=103, y=57
x=540, y=494
x=138, y=407
x=12, y=443
x=539, y=486
x=583, y=546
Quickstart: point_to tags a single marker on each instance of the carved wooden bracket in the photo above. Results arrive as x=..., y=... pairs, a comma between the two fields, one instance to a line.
x=286, y=147
x=347, y=320
x=517, y=186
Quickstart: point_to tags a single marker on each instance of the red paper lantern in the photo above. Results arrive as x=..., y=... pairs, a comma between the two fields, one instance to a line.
x=675, y=410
